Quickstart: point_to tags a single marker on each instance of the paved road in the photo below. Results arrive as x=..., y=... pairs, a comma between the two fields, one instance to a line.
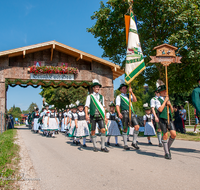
x=61, y=165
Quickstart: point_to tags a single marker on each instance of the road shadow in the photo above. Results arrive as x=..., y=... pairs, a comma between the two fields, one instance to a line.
x=146, y=144
x=22, y=128
x=189, y=150
x=152, y=154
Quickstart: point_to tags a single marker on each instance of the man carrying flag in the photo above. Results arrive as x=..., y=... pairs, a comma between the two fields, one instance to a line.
x=95, y=102
x=122, y=103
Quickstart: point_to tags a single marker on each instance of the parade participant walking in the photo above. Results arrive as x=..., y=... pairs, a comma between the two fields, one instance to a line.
x=82, y=130
x=196, y=99
x=156, y=116
x=60, y=117
x=73, y=123
x=95, y=102
x=112, y=125
x=161, y=105
x=36, y=124
x=122, y=102
x=45, y=122
x=148, y=123
x=63, y=122
x=53, y=122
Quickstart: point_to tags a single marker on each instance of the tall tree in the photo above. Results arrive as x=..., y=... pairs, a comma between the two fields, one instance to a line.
x=16, y=112
x=31, y=107
x=60, y=97
x=176, y=22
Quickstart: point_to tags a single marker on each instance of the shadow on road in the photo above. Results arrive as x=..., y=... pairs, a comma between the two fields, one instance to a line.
x=152, y=154
x=189, y=150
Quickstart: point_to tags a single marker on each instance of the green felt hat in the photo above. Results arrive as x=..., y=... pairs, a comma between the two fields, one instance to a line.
x=95, y=82
x=80, y=104
x=156, y=90
x=121, y=85
x=146, y=106
x=112, y=104
x=161, y=88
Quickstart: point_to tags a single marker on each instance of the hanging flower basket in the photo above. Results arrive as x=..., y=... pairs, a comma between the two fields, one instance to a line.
x=53, y=70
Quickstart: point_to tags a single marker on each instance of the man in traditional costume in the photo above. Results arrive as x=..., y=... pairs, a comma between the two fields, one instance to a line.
x=156, y=116
x=95, y=102
x=196, y=98
x=122, y=106
x=161, y=105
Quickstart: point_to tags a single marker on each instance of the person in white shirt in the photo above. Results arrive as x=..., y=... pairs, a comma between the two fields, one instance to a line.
x=95, y=102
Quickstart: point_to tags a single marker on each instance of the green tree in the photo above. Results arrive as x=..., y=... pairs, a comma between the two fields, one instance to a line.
x=176, y=22
x=60, y=97
x=31, y=107
x=16, y=112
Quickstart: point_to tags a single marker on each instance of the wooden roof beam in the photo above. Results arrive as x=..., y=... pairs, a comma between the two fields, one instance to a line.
x=52, y=48
x=80, y=57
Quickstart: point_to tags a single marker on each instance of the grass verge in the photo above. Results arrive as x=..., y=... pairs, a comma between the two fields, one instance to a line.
x=9, y=158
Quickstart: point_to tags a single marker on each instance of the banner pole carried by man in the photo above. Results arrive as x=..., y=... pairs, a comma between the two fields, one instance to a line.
x=134, y=66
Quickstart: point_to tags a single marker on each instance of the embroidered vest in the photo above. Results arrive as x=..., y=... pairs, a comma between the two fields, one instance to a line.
x=163, y=114
x=93, y=109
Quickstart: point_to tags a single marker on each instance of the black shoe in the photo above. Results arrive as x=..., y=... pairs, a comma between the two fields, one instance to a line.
x=127, y=139
x=95, y=149
x=135, y=146
x=77, y=143
x=74, y=142
x=160, y=145
x=104, y=149
x=84, y=145
x=150, y=143
x=167, y=156
x=126, y=147
x=108, y=143
x=117, y=144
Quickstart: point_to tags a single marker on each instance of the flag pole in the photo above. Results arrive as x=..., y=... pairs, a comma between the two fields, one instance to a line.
x=167, y=93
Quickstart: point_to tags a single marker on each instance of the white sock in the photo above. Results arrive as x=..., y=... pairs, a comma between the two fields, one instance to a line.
x=84, y=140
x=116, y=139
x=108, y=139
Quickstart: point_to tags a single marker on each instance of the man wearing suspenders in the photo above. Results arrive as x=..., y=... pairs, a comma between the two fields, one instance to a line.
x=95, y=102
x=122, y=106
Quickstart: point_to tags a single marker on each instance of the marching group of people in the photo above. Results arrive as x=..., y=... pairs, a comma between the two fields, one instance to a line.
x=79, y=121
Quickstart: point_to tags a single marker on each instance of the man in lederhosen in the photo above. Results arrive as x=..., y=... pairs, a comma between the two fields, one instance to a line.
x=95, y=102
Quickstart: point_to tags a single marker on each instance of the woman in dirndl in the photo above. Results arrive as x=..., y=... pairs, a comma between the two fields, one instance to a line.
x=82, y=130
x=36, y=124
x=73, y=123
x=53, y=123
x=46, y=115
x=149, y=129
x=63, y=122
x=112, y=125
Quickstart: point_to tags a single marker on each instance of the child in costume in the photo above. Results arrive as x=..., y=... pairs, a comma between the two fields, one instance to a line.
x=73, y=123
x=161, y=105
x=36, y=116
x=112, y=125
x=63, y=122
x=46, y=115
x=82, y=130
x=53, y=123
x=95, y=102
x=148, y=123
x=122, y=106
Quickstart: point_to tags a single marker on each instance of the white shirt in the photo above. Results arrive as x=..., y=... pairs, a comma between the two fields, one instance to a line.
x=153, y=101
x=45, y=111
x=87, y=104
x=145, y=117
x=118, y=99
x=158, y=104
x=74, y=114
x=108, y=115
x=82, y=113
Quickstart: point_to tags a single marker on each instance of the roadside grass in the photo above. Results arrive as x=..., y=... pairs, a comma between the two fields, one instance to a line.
x=9, y=159
x=189, y=136
x=18, y=124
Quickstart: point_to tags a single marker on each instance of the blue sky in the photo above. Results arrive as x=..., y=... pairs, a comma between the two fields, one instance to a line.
x=25, y=22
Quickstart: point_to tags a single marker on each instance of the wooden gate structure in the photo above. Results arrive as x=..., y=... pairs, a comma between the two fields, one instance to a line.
x=15, y=65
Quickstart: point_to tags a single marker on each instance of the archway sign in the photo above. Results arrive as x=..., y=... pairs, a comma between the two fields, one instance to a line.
x=165, y=54
x=54, y=64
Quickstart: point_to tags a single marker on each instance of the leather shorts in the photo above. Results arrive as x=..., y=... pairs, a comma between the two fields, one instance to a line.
x=94, y=121
x=164, y=125
x=125, y=119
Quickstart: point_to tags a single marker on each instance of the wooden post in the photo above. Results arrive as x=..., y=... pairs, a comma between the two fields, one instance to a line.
x=167, y=93
x=129, y=106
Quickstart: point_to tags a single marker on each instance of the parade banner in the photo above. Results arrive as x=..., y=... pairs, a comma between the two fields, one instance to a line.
x=134, y=56
x=52, y=76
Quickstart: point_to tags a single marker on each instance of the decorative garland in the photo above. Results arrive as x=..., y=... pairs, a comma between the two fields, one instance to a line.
x=53, y=70
x=24, y=84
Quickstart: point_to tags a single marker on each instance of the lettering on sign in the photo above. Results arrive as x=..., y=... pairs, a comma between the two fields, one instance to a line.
x=52, y=76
